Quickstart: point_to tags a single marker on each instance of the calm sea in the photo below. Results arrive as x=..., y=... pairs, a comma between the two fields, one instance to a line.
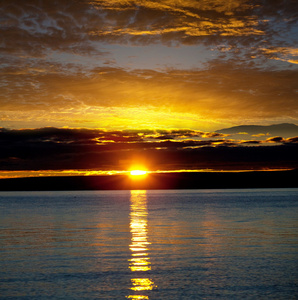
x=177, y=244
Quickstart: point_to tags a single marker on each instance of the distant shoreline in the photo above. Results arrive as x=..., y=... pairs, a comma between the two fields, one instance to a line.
x=154, y=181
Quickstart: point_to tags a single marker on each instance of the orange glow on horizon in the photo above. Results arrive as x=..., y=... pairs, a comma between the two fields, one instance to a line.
x=86, y=172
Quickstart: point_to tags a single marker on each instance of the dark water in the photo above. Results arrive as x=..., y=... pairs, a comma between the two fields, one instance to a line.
x=187, y=244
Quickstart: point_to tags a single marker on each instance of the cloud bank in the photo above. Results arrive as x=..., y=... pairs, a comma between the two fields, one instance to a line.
x=68, y=149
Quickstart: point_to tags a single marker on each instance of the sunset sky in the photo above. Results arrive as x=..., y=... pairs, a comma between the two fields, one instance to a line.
x=136, y=72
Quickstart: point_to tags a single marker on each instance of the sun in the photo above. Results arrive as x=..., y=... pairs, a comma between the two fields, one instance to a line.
x=138, y=172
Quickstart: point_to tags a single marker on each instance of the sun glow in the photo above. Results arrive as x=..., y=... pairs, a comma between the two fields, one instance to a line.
x=138, y=172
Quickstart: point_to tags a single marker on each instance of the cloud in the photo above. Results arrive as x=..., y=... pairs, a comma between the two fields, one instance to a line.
x=259, y=134
x=60, y=66
x=292, y=139
x=34, y=27
x=126, y=138
x=224, y=91
x=275, y=139
x=251, y=142
x=238, y=27
x=178, y=20
x=289, y=54
x=182, y=134
x=62, y=149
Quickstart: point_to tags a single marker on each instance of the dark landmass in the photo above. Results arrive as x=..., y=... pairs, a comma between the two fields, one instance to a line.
x=184, y=180
x=284, y=129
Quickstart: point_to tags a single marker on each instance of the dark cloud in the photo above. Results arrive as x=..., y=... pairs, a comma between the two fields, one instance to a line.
x=66, y=136
x=183, y=134
x=251, y=142
x=193, y=21
x=109, y=139
x=292, y=139
x=34, y=27
x=275, y=139
x=56, y=149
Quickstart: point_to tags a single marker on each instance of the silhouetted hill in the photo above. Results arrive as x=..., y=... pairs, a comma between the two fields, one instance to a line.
x=184, y=180
x=284, y=129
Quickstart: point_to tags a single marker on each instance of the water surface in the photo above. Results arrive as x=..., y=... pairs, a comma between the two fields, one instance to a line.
x=177, y=244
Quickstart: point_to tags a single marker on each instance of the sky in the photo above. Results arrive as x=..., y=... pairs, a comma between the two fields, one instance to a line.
x=145, y=70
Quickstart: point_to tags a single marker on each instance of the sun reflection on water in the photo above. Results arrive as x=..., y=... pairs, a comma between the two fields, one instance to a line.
x=139, y=261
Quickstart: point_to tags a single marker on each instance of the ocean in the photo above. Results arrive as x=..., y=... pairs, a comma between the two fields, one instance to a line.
x=155, y=244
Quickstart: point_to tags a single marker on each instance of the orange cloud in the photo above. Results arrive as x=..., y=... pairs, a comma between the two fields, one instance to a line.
x=55, y=57
x=287, y=54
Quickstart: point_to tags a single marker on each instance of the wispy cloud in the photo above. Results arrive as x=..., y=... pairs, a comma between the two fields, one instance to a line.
x=61, y=64
x=282, y=53
x=223, y=92
x=36, y=27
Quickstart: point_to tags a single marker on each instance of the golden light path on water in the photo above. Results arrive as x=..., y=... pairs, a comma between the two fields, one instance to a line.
x=139, y=263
